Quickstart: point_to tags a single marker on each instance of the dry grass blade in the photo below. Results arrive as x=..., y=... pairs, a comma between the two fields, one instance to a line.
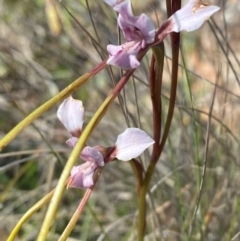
x=205, y=159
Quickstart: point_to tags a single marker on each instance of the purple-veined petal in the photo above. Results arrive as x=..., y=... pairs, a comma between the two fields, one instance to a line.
x=146, y=26
x=191, y=16
x=134, y=28
x=125, y=9
x=90, y=154
x=71, y=142
x=82, y=175
x=124, y=56
x=138, y=31
x=131, y=143
x=71, y=114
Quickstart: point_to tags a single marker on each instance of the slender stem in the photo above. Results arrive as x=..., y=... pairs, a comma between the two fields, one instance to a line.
x=79, y=210
x=138, y=172
x=47, y=105
x=151, y=167
x=52, y=209
x=75, y=216
x=142, y=203
x=169, y=8
x=175, y=38
x=155, y=83
x=28, y=214
x=204, y=164
x=155, y=90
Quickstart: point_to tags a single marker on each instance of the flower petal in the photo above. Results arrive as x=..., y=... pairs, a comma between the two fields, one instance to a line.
x=134, y=28
x=82, y=175
x=138, y=31
x=146, y=26
x=124, y=58
x=125, y=9
x=90, y=154
x=71, y=114
x=191, y=16
x=131, y=143
x=71, y=142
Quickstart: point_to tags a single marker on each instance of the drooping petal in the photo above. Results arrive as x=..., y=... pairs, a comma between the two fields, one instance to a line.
x=90, y=154
x=71, y=114
x=82, y=175
x=124, y=56
x=131, y=143
x=71, y=142
x=191, y=16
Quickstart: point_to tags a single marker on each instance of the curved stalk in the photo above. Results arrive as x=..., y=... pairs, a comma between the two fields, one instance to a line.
x=28, y=214
x=175, y=38
x=52, y=209
x=47, y=105
x=79, y=210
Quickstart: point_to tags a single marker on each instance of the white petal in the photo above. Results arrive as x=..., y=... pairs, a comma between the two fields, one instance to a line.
x=191, y=16
x=71, y=114
x=131, y=143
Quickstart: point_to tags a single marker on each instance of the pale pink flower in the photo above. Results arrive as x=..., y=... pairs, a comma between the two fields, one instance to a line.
x=139, y=31
x=130, y=144
x=82, y=175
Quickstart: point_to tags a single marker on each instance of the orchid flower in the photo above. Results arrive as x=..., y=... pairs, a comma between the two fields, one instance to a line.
x=71, y=114
x=139, y=31
x=82, y=175
x=130, y=144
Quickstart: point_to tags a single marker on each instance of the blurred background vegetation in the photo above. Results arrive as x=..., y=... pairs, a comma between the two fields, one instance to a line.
x=43, y=49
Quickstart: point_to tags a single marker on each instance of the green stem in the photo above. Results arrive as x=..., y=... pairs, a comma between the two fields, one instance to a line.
x=52, y=209
x=28, y=214
x=142, y=202
x=47, y=105
x=53, y=206
x=138, y=172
